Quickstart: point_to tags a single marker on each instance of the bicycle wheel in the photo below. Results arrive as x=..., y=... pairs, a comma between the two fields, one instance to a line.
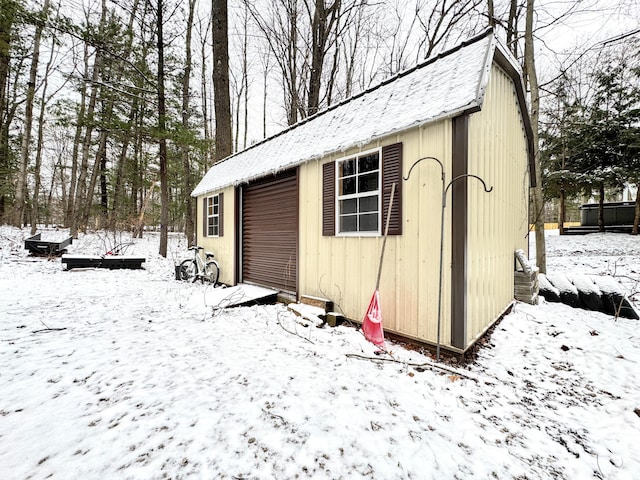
x=212, y=272
x=188, y=269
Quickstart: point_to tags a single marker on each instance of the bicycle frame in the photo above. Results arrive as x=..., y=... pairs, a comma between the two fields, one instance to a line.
x=198, y=268
x=199, y=262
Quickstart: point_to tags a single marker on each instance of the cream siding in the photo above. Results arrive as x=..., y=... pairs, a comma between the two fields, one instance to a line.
x=344, y=269
x=223, y=247
x=497, y=220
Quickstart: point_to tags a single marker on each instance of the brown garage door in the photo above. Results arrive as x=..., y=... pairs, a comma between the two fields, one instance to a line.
x=270, y=232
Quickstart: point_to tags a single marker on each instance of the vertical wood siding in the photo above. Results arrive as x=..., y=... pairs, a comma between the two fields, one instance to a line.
x=344, y=268
x=498, y=220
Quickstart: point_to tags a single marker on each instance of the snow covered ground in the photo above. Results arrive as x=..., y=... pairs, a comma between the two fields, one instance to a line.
x=126, y=374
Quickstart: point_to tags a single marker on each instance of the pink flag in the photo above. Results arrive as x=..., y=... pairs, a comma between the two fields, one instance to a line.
x=372, y=323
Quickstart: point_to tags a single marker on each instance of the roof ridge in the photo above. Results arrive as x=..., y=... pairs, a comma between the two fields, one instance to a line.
x=391, y=79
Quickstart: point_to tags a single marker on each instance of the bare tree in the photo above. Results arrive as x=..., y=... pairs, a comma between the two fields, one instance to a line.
x=86, y=126
x=512, y=26
x=324, y=18
x=491, y=15
x=9, y=10
x=21, y=188
x=162, y=130
x=278, y=23
x=266, y=70
x=186, y=109
x=69, y=218
x=532, y=80
x=442, y=18
x=400, y=36
x=203, y=29
x=222, y=100
x=44, y=101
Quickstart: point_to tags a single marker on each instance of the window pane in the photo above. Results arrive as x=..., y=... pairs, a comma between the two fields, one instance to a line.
x=209, y=207
x=368, y=204
x=348, y=167
x=216, y=200
x=368, y=182
x=368, y=163
x=347, y=186
x=348, y=223
x=369, y=222
x=215, y=209
x=348, y=206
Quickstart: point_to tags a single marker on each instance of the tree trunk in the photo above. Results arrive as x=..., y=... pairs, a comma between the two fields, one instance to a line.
x=532, y=80
x=601, y=207
x=204, y=95
x=104, y=199
x=636, y=216
x=95, y=171
x=324, y=19
x=222, y=100
x=292, y=66
x=189, y=226
x=8, y=8
x=563, y=210
x=137, y=188
x=237, y=110
x=491, y=14
x=21, y=186
x=162, y=128
x=58, y=168
x=128, y=131
x=122, y=158
x=70, y=213
x=512, y=28
x=318, y=36
x=245, y=76
x=82, y=201
x=265, y=76
x=36, y=171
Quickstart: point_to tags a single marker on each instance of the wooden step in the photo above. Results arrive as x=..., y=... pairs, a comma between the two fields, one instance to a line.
x=325, y=304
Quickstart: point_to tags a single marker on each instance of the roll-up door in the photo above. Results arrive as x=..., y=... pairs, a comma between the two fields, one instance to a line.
x=270, y=232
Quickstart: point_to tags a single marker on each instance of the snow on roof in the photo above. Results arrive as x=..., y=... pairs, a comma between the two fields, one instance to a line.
x=441, y=87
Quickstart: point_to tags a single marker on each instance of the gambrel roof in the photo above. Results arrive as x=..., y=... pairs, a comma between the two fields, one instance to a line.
x=444, y=86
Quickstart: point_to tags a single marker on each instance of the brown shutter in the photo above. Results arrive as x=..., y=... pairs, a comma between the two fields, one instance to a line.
x=392, y=172
x=220, y=215
x=204, y=217
x=329, y=199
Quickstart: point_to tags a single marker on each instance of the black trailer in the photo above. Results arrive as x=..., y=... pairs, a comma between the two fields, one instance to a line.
x=37, y=246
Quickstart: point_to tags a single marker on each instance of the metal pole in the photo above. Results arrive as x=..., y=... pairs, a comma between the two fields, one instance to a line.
x=444, y=204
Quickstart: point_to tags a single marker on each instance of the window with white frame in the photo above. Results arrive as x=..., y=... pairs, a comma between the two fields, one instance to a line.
x=358, y=193
x=213, y=216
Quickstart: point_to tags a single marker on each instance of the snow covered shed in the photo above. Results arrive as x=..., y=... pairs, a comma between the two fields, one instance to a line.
x=304, y=211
